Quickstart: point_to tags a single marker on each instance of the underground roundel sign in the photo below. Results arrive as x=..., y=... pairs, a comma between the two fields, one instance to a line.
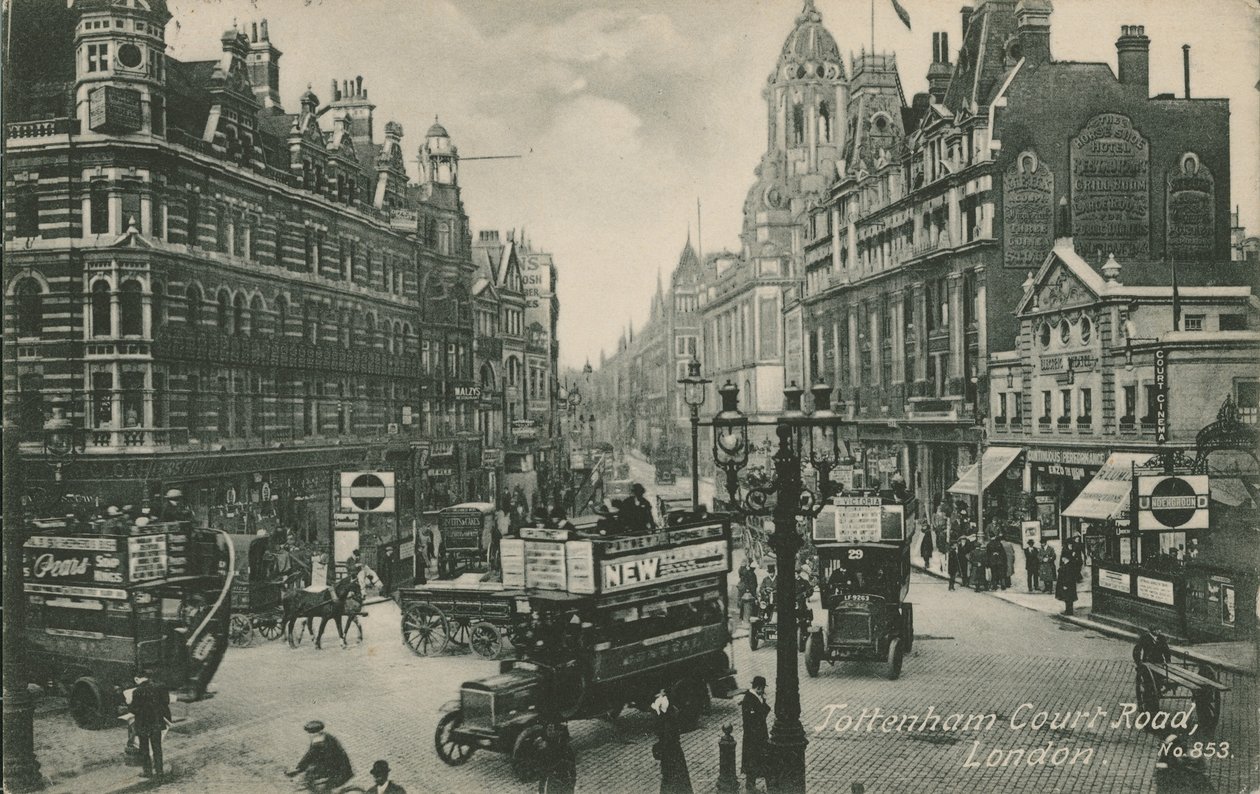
x=367, y=491
x=1173, y=502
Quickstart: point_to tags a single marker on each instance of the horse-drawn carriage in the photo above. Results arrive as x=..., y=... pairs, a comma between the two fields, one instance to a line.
x=465, y=530
x=464, y=612
x=257, y=589
x=101, y=607
x=864, y=559
x=613, y=620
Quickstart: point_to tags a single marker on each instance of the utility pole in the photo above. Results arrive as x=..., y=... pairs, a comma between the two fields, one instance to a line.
x=21, y=768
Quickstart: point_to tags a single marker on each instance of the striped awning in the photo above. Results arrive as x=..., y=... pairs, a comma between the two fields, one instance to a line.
x=1107, y=494
x=996, y=461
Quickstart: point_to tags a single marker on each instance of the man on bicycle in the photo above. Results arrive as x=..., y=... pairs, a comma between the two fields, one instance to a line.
x=325, y=764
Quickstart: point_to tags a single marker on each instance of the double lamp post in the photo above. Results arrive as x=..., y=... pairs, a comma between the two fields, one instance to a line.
x=787, y=500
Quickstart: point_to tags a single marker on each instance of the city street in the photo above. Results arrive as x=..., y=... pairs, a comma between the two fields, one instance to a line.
x=973, y=654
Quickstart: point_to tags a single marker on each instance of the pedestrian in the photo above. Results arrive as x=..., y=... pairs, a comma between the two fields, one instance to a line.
x=1010, y=549
x=558, y=762
x=1032, y=565
x=1065, y=590
x=995, y=559
x=381, y=784
x=1047, y=568
x=325, y=763
x=1074, y=550
x=502, y=525
x=925, y=547
x=976, y=565
x=638, y=509
x=668, y=748
x=151, y=706
x=952, y=564
x=964, y=557
x=174, y=509
x=387, y=570
x=754, y=708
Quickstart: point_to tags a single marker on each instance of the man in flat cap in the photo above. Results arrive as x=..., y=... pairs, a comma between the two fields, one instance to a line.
x=325, y=764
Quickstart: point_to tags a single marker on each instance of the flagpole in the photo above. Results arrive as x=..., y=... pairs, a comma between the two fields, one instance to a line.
x=872, y=27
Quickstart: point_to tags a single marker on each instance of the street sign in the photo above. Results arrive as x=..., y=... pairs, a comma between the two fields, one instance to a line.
x=1161, y=396
x=367, y=491
x=1173, y=502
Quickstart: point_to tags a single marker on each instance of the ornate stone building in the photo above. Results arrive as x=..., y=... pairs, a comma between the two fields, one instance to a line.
x=227, y=297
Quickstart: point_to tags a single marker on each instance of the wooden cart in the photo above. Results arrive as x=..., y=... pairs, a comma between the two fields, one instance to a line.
x=465, y=612
x=1164, y=674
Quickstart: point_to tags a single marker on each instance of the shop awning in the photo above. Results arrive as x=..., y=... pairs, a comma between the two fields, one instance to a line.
x=1107, y=494
x=1230, y=491
x=996, y=461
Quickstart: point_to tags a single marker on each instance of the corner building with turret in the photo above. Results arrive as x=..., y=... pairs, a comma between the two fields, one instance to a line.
x=224, y=295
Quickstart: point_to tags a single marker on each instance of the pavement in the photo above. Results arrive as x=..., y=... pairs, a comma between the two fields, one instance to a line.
x=974, y=654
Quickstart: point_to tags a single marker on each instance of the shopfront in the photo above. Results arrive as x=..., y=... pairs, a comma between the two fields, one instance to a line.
x=1001, y=471
x=1058, y=477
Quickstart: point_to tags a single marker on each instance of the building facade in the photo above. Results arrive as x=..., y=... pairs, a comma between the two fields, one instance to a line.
x=937, y=218
x=226, y=297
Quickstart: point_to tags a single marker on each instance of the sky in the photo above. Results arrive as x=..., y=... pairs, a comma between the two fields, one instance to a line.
x=629, y=112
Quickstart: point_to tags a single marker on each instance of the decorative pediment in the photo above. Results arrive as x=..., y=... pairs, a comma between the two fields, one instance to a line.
x=1064, y=281
x=1061, y=289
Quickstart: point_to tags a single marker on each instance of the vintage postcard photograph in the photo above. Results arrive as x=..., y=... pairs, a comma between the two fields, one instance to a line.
x=631, y=396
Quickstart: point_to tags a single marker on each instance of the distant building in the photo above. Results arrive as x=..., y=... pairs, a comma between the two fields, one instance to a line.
x=1242, y=247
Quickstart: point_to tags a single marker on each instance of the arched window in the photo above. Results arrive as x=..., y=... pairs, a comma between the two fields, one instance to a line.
x=824, y=122
x=224, y=316
x=282, y=316
x=130, y=309
x=30, y=307
x=192, y=310
x=487, y=376
x=798, y=123
x=257, y=315
x=240, y=319
x=100, y=309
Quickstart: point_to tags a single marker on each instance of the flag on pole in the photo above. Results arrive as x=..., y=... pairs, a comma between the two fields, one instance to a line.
x=902, y=13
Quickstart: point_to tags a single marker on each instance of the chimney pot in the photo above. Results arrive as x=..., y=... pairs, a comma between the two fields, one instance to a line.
x=1133, y=59
x=264, y=30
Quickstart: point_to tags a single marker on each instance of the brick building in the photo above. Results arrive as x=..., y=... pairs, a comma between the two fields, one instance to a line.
x=946, y=204
x=228, y=297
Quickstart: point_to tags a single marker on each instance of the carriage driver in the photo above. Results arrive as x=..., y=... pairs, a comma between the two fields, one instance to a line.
x=765, y=593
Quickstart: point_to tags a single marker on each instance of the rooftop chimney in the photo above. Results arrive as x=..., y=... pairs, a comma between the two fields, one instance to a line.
x=939, y=71
x=1185, y=67
x=1063, y=222
x=264, y=67
x=1133, y=59
x=1033, y=19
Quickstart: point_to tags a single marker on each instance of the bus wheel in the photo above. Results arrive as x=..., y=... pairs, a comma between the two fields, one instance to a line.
x=896, y=652
x=813, y=654
x=87, y=705
x=451, y=750
x=527, y=754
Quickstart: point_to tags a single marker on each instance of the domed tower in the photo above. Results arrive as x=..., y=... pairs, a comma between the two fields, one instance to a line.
x=120, y=65
x=805, y=95
x=438, y=158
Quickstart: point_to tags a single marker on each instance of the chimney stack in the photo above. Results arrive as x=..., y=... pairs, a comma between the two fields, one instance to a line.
x=1033, y=20
x=1063, y=222
x=1133, y=59
x=939, y=71
x=264, y=67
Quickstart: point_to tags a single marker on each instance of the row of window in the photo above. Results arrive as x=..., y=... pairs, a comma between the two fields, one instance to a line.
x=1137, y=404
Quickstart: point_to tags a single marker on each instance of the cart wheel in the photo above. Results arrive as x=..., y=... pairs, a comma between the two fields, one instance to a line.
x=909, y=635
x=753, y=639
x=691, y=697
x=87, y=704
x=896, y=653
x=240, y=631
x=486, y=639
x=1207, y=701
x=269, y=625
x=813, y=653
x=460, y=630
x=528, y=753
x=1147, y=691
x=451, y=750
x=424, y=629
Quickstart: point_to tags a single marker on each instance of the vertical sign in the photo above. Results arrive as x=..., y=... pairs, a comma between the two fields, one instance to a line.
x=1027, y=211
x=1161, y=396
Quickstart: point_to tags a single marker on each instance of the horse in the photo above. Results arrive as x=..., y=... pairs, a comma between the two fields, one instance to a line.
x=327, y=603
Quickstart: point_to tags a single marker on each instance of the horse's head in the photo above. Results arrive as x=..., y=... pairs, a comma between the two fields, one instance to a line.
x=347, y=587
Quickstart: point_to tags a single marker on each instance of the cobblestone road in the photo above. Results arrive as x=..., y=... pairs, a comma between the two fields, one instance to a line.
x=973, y=655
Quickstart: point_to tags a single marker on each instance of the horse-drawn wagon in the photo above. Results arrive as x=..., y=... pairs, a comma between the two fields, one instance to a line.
x=101, y=607
x=465, y=612
x=465, y=530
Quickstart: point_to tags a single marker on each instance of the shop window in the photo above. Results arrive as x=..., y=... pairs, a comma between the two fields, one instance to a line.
x=26, y=205
x=101, y=320
x=131, y=309
x=30, y=307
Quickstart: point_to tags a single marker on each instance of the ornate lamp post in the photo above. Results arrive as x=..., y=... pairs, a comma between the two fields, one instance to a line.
x=693, y=394
x=791, y=501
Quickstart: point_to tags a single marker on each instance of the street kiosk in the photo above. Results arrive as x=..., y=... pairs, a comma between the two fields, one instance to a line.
x=613, y=620
x=864, y=557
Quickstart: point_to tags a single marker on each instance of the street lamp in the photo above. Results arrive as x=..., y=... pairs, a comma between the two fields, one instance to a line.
x=791, y=501
x=61, y=439
x=693, y=394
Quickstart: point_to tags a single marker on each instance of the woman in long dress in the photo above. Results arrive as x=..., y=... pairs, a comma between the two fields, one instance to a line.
x=668, y=748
